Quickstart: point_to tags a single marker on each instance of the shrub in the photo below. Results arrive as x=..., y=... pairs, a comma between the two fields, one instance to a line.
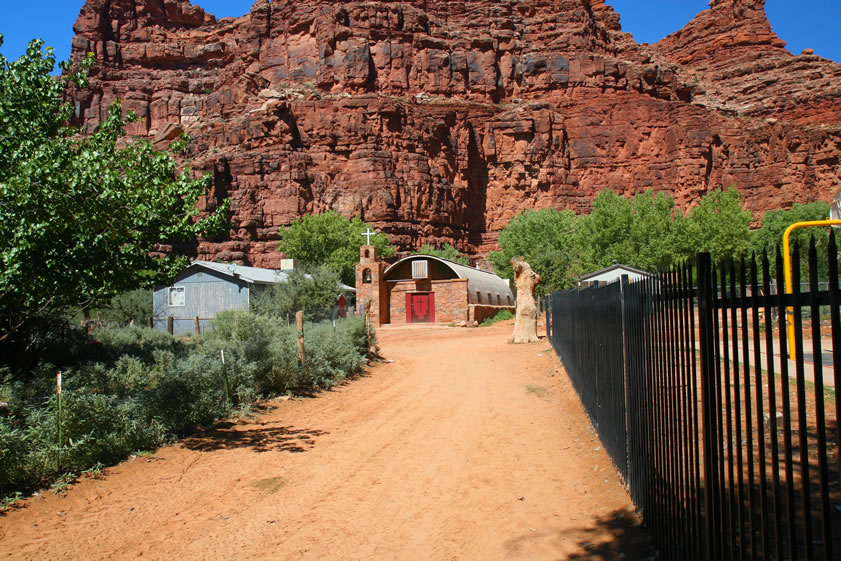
x=145, y=388
x=139, y=342
x=191, y=393
x=314, y=293
x=13, y=453
x=332, y=354
x=500, y=316
x=134, y=305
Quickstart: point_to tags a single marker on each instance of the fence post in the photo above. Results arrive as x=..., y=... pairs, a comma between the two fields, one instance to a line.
x=170, y=325
x=197, y=325
x=299, y=323
x=703, y=263
x=548, y=316
x=149, y=322
x=623, y=287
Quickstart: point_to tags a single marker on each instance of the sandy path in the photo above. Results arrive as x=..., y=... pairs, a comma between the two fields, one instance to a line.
x=464, y=447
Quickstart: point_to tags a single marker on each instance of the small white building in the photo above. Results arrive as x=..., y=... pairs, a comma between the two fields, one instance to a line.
x=612, y=274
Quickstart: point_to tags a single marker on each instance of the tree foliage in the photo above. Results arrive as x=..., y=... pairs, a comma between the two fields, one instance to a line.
x=122, y=309
x=548, y=240
x=720, y=224
x=774, y=224
x=330, y=239
x=447, y=251
x=80, y=213
x=315, y=294
x=644, y=232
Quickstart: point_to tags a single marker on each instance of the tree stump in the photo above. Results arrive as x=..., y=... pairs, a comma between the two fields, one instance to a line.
x=525, y=322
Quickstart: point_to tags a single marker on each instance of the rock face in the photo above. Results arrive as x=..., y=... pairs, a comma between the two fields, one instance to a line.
x=440, y=121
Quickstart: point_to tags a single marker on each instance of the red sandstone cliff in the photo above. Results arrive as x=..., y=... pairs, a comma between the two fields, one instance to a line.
x=441, y=120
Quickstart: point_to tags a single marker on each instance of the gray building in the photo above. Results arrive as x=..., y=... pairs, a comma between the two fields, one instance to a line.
x=204, y=289
x=612, y=274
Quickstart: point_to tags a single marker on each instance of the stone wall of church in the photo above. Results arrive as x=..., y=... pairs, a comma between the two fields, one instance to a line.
x=450, y=299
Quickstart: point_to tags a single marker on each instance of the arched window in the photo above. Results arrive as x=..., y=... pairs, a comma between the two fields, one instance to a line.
x=478, y=297
x=366, y=275
x=367, y=255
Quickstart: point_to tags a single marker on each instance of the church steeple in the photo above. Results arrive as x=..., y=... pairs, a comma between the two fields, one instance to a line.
x=371, y=289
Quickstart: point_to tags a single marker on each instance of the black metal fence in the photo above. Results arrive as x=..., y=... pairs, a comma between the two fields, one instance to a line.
x=729, y=448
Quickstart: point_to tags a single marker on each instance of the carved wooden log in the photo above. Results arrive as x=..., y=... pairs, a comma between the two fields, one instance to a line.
x=525, y=323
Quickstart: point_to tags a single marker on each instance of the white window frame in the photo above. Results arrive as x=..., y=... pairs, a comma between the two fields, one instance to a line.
x=420, y=269
x=177, y=290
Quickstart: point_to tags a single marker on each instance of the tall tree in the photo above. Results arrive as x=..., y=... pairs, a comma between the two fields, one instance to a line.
x=330, y=239
x=548, y=241
x=314, y=293
x=606, y=231
x=774, y=224
x=643, y=232
x=80, y=215
x=720, y=224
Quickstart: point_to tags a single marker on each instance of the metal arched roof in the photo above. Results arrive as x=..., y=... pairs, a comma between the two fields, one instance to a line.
x=477, y=279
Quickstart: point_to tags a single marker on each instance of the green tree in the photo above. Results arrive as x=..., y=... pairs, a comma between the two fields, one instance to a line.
x=774, y=223
x=720, y=225
x=80, y=215
x=605, y=232
x=134, y=305
x=643, y=232
x=548, y=241
x=330, y=239
x=447, y=251
x=315, y=294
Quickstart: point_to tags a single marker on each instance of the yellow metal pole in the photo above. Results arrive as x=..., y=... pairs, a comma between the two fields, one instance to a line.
x=787, y=272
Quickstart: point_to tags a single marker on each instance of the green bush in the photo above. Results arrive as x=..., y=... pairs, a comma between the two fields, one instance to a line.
x=142, y=388
x=332, y=354
x=192, y=393
x=134, y=305
x=500, y=316
x=14, y=449
x=315, y=293
x=139, y=342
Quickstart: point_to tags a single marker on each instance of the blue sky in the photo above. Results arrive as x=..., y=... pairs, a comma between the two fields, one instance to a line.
x=801, y=23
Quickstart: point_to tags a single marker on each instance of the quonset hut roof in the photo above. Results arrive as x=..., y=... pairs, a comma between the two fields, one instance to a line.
x=477, y=279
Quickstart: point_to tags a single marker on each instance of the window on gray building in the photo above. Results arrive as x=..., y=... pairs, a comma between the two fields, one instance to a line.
x=177, y=296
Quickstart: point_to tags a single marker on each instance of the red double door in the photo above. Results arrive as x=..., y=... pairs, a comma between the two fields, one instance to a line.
x=420, y=307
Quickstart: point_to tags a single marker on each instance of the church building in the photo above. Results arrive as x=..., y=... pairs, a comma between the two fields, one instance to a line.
x=428, y=289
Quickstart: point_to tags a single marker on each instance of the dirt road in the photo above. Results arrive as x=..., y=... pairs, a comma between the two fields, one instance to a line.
x=462, y=448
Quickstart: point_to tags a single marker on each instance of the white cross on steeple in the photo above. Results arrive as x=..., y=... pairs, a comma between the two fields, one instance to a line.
x=368, y=235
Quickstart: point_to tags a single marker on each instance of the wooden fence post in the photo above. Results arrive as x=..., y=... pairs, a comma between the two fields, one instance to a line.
x=299, y=323
x=197, y=326
x=366, y=310
x=170, y=325
x=149, y=322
